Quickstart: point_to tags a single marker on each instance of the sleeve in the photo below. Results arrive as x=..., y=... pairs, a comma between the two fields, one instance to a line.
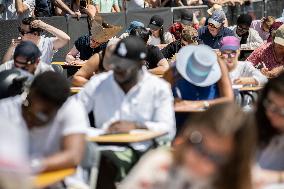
x=164, y=118
x=169, y=50
x=255, y=40
x=255, y=73
x=30, y=4
x=154, y=56
x=255, y=57
x=115, y=2
x=168, y=37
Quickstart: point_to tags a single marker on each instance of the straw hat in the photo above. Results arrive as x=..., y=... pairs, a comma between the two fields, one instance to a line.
x=101, y=31
x=213, y=8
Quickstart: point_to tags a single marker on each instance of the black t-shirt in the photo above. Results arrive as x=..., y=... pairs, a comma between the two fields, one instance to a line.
x=171, y=49
x=82, y=44
x=153, y=57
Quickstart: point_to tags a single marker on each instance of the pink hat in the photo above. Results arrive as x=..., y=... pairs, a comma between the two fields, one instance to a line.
x=230, y=43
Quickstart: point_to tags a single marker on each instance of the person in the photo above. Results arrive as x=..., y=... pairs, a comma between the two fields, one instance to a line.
x=212, y=34
x=97, y=64
x=262, y=26
x=55, y=124
x=249, y=38
x=273, y=29
x=204, y=20
x=133, y=25
x=198, y=79
x=31, y=30
x=189, y=36
x=241, y=72
x=176, y=30
x=106, y=6
x=155, y=62
x=270, y=124
x=158, y=37
x=125, y=99
x=215, y=150
x=13, y=9
x=27, y=57
x=270, y=56
x=87, y=45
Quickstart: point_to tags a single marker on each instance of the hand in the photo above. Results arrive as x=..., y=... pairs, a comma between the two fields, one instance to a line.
x=245, y=80
x=77, y=62
x=38, y=24
x=262, y=178
x=77, y=14
x=15, y=42
x=90, y=10
x=272, y=73
x=122, y=127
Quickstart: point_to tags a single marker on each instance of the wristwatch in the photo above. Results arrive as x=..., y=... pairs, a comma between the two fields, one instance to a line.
x=206, y=104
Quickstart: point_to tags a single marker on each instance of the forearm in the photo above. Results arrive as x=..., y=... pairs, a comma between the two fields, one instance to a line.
x=20, y=7
x=56, y=32
x=70, y=58
x=79, y=81
x=8, y=55
x=160, y=70
x=63, y=6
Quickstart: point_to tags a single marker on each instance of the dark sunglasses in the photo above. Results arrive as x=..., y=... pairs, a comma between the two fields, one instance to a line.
x=269, y=105
x=196, y=141
x=227, y=55
x=212, y=25
x=22, y=32
x=242, y=29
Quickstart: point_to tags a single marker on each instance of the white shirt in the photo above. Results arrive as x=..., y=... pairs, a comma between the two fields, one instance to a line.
x=45, y=46
x=150, y=102
x=157, y=41
x=246, y=69
x=41, y=67
x=10, y=10
x=44, y=141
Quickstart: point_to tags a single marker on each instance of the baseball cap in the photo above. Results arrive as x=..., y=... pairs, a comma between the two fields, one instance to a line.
x=218, y=17
x=29, y=50
x=230, y=43
x=279, y=36
x=186, y=17
x=131, y=48
x=156, y=22
x=133, y=25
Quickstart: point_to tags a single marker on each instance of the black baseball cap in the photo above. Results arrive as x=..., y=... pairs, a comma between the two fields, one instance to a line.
x=29, y=50
x=186, y=17
x=156, y=22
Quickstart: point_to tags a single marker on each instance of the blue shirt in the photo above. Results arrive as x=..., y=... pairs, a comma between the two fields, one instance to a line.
x=214, y=42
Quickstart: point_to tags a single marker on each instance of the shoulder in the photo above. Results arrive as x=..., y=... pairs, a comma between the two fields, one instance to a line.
x=202, y=30
x=10, y=105
x=156, y=82
x=228, y=31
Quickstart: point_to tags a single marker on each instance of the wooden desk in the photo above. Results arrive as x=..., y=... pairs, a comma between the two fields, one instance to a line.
x=63, y=64
x=127, y=138
x=75, y=90
x=47, y=179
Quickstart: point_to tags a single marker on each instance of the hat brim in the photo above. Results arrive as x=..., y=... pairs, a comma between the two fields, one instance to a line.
x=229, y=48
x=153, y=27
x=181, y=65
x=217, y=24
x=279, y=41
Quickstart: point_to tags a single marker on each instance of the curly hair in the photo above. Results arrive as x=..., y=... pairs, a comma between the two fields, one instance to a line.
x=189, y=34
x=28, y=21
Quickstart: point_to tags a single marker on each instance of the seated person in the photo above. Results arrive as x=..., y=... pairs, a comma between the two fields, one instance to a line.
x=262, y=26
x=194, y=88
x=273, y=29
x=55, y=125
x=155, y=62
x=189, y=36
x=248, y=37
x=270, y=56
x=88, y=45
x=204, y=20
x=270, y=125
x=212, y=34
x=241, y=72
x=95, y=65
x=27, y=57
x=31, y=30
x=203, y=155
x=125, y=99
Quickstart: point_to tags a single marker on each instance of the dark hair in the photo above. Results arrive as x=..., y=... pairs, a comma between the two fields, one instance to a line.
x=140, y=32
x=28, y=21
x=245, y=19
x=161, y=35
x=52, y=87
x=28, y=50
x=265, y=130
x=225, y=119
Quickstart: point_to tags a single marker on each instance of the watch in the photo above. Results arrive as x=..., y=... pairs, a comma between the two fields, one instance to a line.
x=206, y=104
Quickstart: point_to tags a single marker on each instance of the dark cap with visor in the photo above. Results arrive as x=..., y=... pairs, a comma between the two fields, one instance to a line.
x=28, y=50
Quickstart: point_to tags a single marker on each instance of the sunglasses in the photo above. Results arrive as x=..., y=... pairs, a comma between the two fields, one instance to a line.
x=196, y=142
x=269, y=105
x=242, y=29
x=22, y=32
x=227, y=55
x=212, y=26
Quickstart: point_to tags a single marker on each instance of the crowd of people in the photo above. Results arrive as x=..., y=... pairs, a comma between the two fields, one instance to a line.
x=184, y=81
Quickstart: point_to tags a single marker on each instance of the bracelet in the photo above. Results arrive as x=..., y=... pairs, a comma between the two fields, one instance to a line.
x=206, y=104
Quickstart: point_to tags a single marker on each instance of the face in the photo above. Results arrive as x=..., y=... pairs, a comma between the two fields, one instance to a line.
x=155, y=32
x=26, y=34
x=274, y=106
x=124, y=70
x=94, y=43
x=21, y=62
x=37, y=111
x=230, y=58
x=184, y=43
x=202, y=160
x=213, y=29
x=242, y=29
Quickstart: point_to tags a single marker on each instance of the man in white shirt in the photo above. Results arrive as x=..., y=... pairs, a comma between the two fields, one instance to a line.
x=54, y=124
x=27, y=57
x=16, y=9
x=129, y=97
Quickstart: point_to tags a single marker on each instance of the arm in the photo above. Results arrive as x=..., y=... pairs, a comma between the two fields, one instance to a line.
x=61, y=38
x=9, y=54
x=60, y=4
x=69, y=157
x=83, y=75
x=21, y=7
x=70, y=57
x=116, y=8
x=162, y=67
x=255, y=57
x=263, y=177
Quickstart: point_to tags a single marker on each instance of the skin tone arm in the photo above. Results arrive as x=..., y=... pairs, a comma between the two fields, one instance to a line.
x=83, y=75
x=21, y=8
x=61, y=37
x=70, y=57
x=9, y=54
x=162, y=67
x=69, y=157
x=263, y=177
x=116, y=8
x=61, y=5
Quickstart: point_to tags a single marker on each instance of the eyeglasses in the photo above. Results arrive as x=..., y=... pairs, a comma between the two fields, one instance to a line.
x=23, y=32
x=196, y=141
x=212, y=25
x=269, y=105
x=243, y=29
x=227, y=55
